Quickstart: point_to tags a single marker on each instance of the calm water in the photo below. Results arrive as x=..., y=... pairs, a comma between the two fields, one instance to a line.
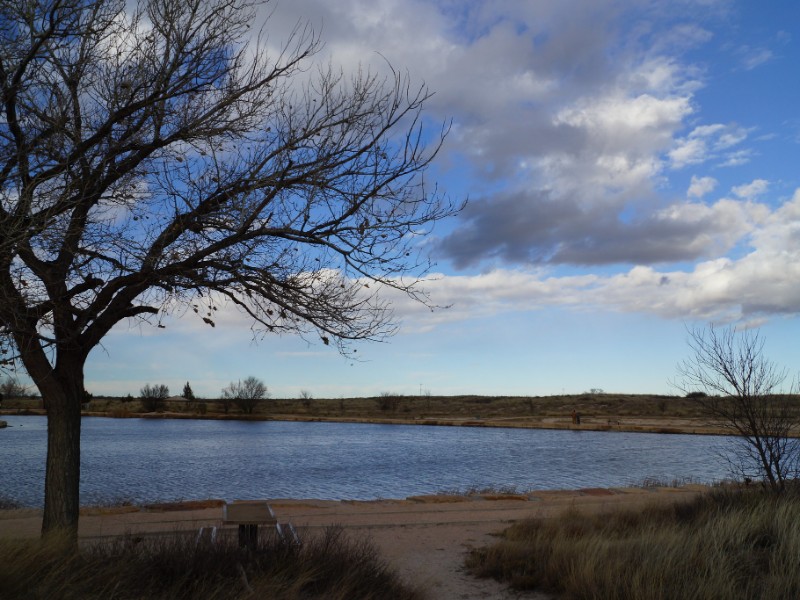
x=160, y=460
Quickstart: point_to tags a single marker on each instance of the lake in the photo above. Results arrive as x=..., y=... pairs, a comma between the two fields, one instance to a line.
x=152, y=460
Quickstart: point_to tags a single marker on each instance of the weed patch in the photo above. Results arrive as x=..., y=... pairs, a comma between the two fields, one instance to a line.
x=734, y=545
x=176, y=567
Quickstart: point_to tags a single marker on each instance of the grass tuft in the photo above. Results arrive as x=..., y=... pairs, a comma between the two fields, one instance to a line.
x=742, y=544
x=175, y=567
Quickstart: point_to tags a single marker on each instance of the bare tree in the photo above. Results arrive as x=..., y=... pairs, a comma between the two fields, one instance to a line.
x=740, y=389
x=10, y=387
x=246, y=394
x=153, y=396
x=155, y=159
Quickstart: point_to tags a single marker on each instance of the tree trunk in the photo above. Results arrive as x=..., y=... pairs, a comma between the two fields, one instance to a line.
x=62, y=395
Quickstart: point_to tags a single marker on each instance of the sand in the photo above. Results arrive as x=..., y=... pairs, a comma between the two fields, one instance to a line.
x=424, y=538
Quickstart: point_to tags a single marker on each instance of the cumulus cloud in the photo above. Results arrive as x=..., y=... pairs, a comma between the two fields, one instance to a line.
x=700, y=186
x=759, y=284
x=519, y=228
x=707, y=142
x=750, y=190
x=568, y=118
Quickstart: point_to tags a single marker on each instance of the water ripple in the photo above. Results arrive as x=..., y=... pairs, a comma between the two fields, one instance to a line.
x=146, y=460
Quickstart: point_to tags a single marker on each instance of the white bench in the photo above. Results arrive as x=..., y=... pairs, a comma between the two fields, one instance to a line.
x=248, y=515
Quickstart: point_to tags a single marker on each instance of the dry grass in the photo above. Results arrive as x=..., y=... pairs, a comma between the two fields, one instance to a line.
x=328, y=566
x=726, y=545
x=412, y=407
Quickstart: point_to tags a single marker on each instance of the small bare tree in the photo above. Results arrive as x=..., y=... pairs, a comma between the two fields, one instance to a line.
x=152, y=397
x=740, y=390
x=246, y=394
x=10, y=387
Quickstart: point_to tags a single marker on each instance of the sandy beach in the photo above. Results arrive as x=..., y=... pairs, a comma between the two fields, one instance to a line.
x=424, y=538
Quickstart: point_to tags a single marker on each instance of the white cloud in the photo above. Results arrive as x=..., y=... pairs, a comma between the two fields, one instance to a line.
x=708, y=142
x=751, y=190
x=759, y=284
x=700, y=186
x=625, y=122
x=689, y=151
x=575, y=116
x=754, y=57
x=737, y=159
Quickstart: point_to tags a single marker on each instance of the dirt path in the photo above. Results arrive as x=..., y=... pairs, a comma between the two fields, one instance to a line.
x=425, y=538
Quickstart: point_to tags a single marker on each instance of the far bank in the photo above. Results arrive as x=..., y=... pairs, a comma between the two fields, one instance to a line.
x=589, y=412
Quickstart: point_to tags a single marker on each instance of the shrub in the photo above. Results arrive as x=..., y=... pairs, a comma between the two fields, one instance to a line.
x=10, y=387
x=388, y=402
x=175, y=567
x=245, y=394
x=730, y=544
x=198, y=407
x=152, y=397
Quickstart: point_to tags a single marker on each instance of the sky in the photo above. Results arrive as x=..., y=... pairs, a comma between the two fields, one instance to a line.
x=630, y=169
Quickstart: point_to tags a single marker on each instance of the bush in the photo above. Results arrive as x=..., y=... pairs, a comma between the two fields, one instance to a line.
x=152, y=397
x=174, y=567
x=245, y=394
x=10, y=387
x=734, y=545
x=389, y=402
x=198, y=407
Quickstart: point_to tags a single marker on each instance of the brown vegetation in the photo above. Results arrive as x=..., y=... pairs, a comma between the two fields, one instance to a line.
x=607, y=411
x=599, y=412
x=726, y=544
x=175, y=567
x=483, y=408
x=472, y=407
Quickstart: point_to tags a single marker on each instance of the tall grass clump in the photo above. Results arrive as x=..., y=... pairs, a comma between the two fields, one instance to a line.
x=175, y=567
x=725, y=545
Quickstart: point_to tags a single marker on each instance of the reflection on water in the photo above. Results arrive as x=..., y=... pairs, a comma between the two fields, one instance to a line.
x=146, y=460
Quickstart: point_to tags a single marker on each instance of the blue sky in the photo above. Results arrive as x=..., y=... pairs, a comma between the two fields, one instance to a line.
x=631, y=169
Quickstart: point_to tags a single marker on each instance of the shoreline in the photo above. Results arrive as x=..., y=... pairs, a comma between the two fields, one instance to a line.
x=192, y=512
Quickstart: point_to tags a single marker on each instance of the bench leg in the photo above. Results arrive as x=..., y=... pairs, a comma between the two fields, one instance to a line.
x=248, y=536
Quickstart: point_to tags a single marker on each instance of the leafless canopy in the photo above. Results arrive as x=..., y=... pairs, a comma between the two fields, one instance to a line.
x=743, y=394
x=154, y=161
x=246, y=394
x=153, y=396
x=161, y=156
